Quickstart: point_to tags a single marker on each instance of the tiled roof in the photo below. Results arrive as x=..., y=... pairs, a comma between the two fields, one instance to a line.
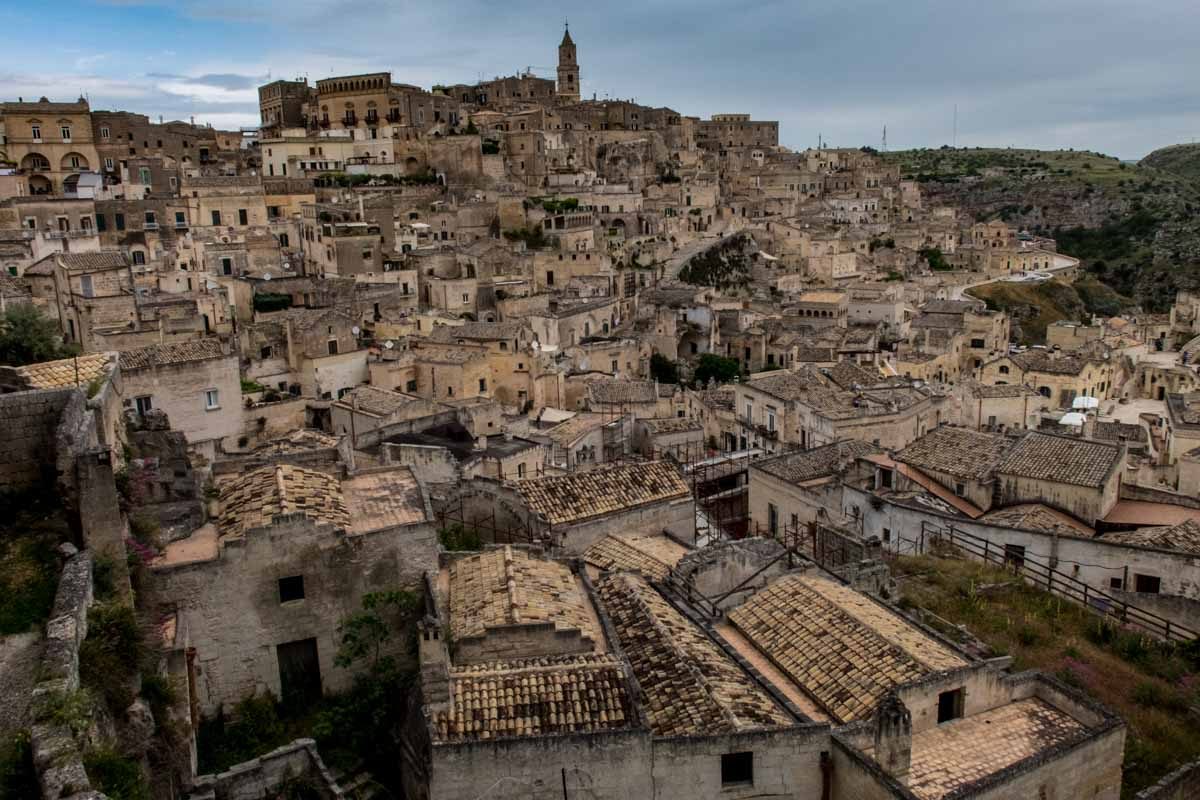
x=616, y=553
x=1115, y=431
x=723, y=398
x=102, y=259
x=508, y=586
x=253, y=499
x=791, y=385
x=1038, y=517
x=63, y=372
x=164, y=354
x=665, y=425
x=1050, y=362
x=1039, y=456
x=690, y=685
x=619, y=391
x=536, y=697
x=1184, y=537
x=570, y=430
x=960, y=452
x=845, y=374
x=985, y=391
x=819, y=462
x=483, y=331
x=374, y=400
x=568, y=498
x=838, y=645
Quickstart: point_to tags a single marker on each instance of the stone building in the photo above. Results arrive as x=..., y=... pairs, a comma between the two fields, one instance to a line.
x=566, y=676
x=262, y=590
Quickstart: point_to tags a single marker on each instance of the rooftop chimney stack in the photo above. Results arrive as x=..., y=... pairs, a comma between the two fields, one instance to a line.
x=893, y=737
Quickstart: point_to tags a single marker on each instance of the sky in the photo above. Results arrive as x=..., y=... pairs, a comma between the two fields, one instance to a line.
x=1121, y=78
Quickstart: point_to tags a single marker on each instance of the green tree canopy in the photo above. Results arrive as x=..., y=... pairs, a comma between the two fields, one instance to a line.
x=27, y=336
x=720, y=368
x=663, y=369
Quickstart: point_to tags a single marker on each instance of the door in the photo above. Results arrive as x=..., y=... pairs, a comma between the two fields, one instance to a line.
x=299, y=672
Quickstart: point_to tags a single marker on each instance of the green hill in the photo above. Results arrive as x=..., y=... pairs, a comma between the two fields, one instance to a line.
x=1181, y=160
x=1034, y=306
x=1132, y=225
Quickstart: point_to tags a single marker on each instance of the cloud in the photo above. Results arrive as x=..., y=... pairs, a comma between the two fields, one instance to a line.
x=1054, y=73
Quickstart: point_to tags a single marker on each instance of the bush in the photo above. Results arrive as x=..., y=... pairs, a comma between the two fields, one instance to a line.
x=935, y=258
x=27, y=336
x=111, y=655
x=28, y=580
x=268, y=301
x=663, y=369
x=719, y=368
x=456, y=538
x=17, y=775
x=115, y=775
x=534, y=238
x=255, y=728
x=250, y=386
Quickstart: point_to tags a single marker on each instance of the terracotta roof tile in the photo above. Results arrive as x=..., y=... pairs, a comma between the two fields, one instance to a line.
x=960, y=452
x=581, y=495
x=179, y=353
x=1038, y=456
x=65, y=372
x=690, y=685
x=254, y=499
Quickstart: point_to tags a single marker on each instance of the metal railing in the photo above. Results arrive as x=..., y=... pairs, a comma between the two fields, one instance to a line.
x=1054, y=581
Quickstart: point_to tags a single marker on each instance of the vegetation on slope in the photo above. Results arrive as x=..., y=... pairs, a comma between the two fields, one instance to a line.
x=1132, y=225
x=1033, y=307
x=31, y=527
x=1181, y=160
x=1151, y=685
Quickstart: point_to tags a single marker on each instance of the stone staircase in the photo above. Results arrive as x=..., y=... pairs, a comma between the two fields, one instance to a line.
x=357, y=783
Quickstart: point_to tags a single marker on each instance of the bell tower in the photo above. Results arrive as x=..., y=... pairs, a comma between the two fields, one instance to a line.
x=568, y=70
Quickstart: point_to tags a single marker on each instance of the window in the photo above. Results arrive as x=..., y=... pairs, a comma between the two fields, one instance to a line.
x=151, y=220
x=85, y=286
x=483, y=384
x=770, y=419
x=332, y=346
x=108, y=164
x=291, y=588
x=104, y=133
x=226, y=265
x=180, y=219
x=1003, y=370
x=885, y=478
x=143, y=404
x=1147, y=584
x=950, y=705
x=520, y=470
x=772, y=518
x=101, y=222
x=216, y=217
x=119, y=220
x=243, y=217
x=212, y=399
x=144, y=176
x=36, y=132
x=139, y=257
x=411, y=386
x=960, y=490
x=737, y=769
x=265, y=352
x=1014, y=556
x=1115, y=583
x=887, y=535
x=978, y=344
x=549, y=278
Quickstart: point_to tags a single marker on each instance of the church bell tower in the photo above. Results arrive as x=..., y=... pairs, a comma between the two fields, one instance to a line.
x=568, y=70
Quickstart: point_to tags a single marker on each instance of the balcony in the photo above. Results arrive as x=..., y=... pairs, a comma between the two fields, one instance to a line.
x=150, y=226
x=767, y=433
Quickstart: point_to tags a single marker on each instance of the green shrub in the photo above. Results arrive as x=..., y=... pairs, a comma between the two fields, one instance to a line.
x=456, y=538
x=17, y=775
x=115, y=775
x=250, y=386
x=71, y=710
x=111, y=655
x=663, y=369
x=28, y=580
x=254, y=728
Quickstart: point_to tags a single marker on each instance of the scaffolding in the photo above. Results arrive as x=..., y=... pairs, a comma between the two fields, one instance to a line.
x=487, y=527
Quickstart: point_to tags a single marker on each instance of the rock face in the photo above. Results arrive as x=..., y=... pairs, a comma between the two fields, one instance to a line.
x=1181, y=160
x=161, y=478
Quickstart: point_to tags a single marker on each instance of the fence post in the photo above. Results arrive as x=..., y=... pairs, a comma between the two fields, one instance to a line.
x=1168, y=633
x=986, y=554
x=1085, y=596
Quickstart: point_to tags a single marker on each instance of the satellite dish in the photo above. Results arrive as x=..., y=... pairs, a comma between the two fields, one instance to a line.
x=356, y=330
x=389, y=344
x=266, y=276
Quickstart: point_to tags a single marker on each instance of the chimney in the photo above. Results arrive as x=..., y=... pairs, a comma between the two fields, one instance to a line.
x=893, y=737
x=481, y=442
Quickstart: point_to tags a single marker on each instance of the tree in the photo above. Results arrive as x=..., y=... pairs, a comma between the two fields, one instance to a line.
x=663, y=369
x=719, y=368
x=27, y=336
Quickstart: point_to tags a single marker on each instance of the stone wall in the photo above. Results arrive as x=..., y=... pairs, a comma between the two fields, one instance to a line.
x=1179, y=785
x=30, y=426
x=259, y=777
x=433, y=464
x=57, y=756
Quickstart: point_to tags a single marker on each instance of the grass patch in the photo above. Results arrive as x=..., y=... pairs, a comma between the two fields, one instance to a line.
x=17, y=775
x=111, y=654
x=1148, y=683
x=31, y=528
x=117, y=776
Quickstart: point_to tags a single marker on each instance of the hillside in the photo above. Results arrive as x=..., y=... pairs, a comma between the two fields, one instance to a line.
x=1133, y=226
x=1181, y=160
x=1034, y=306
